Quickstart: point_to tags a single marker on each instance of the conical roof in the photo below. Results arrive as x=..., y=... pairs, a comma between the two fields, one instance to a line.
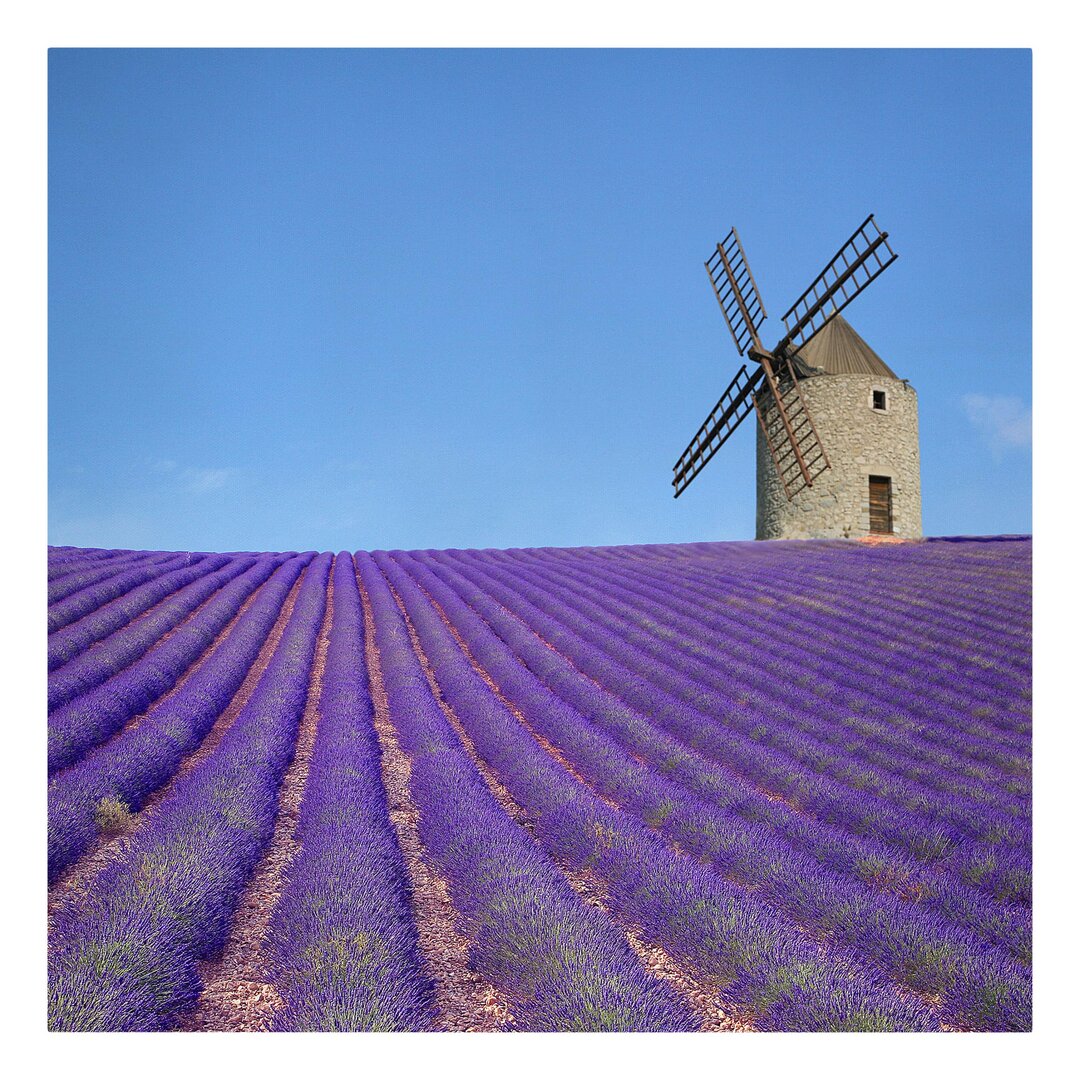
x=839, y=350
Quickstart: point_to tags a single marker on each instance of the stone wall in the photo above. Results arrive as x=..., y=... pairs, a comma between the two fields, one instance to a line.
x=860, y=442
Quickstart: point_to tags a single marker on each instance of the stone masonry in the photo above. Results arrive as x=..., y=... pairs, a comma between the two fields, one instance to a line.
x=860, y=442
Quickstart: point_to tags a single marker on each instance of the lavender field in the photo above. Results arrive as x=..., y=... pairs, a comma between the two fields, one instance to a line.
x=777, y=786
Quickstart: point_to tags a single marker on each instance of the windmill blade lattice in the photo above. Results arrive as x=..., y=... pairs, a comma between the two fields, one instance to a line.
x=736, y=292
x=772, y=390
x=864, y=256
x=790, y=435
x=727, y=414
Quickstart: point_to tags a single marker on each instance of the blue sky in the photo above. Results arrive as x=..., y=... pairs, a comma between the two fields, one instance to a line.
x=377, y=299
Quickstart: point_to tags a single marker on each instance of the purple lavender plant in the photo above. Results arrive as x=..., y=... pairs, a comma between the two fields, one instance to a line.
x=728, y=938
x=801, y=769
x=342, y=938
x=125, y=958
x=93, y=717
x=122, y=649
x=137, y=762
x=562, y=963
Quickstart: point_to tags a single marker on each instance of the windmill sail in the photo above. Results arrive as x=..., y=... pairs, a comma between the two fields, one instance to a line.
x=773, y=389
x=789, y=431
x=728, y=413
x=862, y=258
x=736, y=292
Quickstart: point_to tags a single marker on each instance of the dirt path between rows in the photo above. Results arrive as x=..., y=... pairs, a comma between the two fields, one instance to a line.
x=207, y=653
x=698, y=1000
x=141, y=617
x=78, y=879
x=705, y=1001
x=237, y=992
x=464, y=999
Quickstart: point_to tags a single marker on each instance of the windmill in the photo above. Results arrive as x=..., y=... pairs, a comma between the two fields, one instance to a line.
x=771, y=389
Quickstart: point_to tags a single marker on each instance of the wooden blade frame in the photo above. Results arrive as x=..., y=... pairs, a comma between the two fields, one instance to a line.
x=864, y=256
x=800, y=446
x=736, y=292
x=735, y=404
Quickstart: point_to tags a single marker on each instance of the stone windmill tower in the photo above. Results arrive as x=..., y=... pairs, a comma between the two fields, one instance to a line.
x=838, y=445
x=868, y=420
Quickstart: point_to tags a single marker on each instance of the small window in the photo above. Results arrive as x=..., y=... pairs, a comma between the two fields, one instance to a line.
x=879, y=400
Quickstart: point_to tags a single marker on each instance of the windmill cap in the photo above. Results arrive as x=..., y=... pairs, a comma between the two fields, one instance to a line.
x=839, y=350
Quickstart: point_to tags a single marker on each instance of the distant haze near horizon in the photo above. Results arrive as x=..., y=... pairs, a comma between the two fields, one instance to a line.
x=378, y=299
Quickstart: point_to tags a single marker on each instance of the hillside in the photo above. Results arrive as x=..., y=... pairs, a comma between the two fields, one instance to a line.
x=715, y=786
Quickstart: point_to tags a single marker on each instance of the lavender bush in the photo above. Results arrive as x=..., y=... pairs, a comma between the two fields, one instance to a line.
x=730, y=941
x=880, y=927
x=342, y=938
x=70, y=585
x=122, y=649
x=125, y=959
x=803, y=770
x=561, y=963
x=96, y=715
x=137, y=762
x=99, y=610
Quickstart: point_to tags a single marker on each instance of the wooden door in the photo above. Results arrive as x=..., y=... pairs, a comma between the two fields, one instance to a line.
x=880, y=504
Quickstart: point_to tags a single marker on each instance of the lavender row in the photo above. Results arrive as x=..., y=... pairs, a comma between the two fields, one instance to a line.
x=1014, y=871
x=77, y=560
x=103, y=614
x=125, y=958
x=75, y=578
x=95, y=716
x=139, y=761
x=730, y=690
x=66, y=585
x=861, y=856
x=71, y=584
x=997, y=584
x=908, y=945
x=796, y=616
x=861, y=708
x=837, y=683
x=104, y=659
x=600, y=655
x=744, y=827
x=850, y=569
x=839, y=607
x=743, y=725
x=845, y=575
x=1004, y=569
x=726, y=939
x=829, y=590
x=898, y=597
x=957, y=695
x=561, y=963
x=342, y=938
x=751, y=652
x=66, y=552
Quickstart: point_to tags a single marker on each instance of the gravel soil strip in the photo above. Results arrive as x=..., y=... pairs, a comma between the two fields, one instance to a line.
x=704, y=1001
x=772, y=796
x=699, y=999
x=465, y=1000
x=141, y=617
x=237, y=992
x=211, y=649
x=78, y=879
